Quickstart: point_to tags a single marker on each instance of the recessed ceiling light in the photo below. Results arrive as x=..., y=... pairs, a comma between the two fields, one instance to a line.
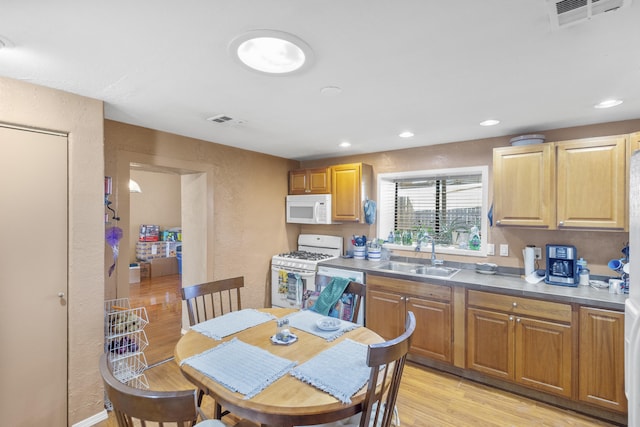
x=490, y=122
x=406, y=134
x=608, y=103
x=344, y=144
x=271, y=52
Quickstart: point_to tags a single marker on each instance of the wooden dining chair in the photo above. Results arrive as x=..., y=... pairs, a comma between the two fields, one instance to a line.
x=359, y=291
x=136, y=407
x=208, y=300
x=386, y=361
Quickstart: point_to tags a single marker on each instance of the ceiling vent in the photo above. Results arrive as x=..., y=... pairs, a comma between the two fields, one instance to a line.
x=564, y=13
x=223, y=119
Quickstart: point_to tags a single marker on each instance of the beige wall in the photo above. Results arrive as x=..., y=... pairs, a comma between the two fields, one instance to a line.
x=82, y=118
x=158, y=204
x=596, y=247
x=246, y=203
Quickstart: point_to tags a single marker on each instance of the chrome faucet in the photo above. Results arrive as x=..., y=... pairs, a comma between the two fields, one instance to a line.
x=434, y=260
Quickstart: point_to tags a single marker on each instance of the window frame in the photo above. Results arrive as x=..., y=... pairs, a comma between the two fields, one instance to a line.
x=384, y=225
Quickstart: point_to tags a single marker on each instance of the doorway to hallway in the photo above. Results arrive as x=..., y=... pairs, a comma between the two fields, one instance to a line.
x=162, y=300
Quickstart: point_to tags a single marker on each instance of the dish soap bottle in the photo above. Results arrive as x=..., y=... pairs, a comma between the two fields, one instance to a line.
x=474, y=240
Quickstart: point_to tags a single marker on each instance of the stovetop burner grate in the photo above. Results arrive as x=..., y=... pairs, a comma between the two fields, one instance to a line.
x=311, y=256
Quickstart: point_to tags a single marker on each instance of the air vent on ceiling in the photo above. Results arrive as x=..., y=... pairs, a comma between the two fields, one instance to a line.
x=564, y=13
x=223, y=119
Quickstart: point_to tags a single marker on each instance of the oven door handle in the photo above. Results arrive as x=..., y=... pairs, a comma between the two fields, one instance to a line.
x=295, y=271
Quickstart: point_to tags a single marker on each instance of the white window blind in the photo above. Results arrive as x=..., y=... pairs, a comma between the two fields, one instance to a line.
x=446, y=204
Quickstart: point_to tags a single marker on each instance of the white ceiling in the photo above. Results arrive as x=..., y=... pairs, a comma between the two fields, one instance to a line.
x=436, y=68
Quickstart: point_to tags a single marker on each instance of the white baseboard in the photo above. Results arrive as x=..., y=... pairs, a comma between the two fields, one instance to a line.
x=92, y=420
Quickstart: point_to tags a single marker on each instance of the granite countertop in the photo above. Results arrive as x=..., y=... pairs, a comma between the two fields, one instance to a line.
x=510, y=284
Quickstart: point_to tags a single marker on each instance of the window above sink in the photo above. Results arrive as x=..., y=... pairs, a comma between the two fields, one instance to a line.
x=444, y=203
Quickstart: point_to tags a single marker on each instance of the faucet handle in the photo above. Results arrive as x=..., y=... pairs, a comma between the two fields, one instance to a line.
x=438, y=262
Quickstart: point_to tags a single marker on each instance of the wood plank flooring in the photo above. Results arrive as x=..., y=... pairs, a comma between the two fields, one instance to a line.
x=427, y=397
x=163, y=302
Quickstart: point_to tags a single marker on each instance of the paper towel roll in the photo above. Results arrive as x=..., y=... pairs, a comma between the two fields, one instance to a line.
x=529, y=260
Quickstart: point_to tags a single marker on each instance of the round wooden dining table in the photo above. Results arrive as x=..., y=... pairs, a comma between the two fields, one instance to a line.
x=288, y=401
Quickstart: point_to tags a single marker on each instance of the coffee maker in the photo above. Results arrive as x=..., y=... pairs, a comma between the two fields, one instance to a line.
x=562, y=265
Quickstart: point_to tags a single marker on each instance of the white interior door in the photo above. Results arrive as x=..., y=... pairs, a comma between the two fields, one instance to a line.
x=33, y=278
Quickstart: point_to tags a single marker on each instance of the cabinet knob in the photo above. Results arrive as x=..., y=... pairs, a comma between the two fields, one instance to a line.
x=511, y=318
x=61, y=294
x=518, y=320
x=498, y=222
x=515, y=304
x=561, y=223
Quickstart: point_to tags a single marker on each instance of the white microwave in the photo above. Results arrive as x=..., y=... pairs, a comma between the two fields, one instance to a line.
x=309, y=209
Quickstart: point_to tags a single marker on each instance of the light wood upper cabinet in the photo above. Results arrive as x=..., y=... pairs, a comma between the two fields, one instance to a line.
x=579, y=184
x=591, y=183
x=634, y=142
x=602, y=358
x=524, y=185
x=519, y=339
x=310, y=181
x=350, y=186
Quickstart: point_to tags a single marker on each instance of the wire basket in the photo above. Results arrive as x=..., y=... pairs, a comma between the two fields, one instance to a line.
x=124, y=345
x=128, y=368
x=121, y=321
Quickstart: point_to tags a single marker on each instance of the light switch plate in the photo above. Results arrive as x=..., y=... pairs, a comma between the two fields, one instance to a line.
x=491, y=249
x=504, y=250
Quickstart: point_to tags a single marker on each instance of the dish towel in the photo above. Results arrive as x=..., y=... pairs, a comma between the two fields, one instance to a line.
x=340, y=371
x=330, y=295
x=370, y=211
x=231, y=323
x=241, y=367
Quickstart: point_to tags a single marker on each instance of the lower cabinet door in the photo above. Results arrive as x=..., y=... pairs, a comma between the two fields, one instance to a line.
x=434, y=334
x=543, y=355
x=490, y=343
x=385, y=313
x=601, y=380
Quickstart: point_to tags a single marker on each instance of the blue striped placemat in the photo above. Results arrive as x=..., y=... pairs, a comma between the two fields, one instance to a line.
x=240, y=367
x=231, y=323
x=340, y=370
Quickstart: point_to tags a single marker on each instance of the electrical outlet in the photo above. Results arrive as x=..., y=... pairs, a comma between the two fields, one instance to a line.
x=537, y=252
x=491, y=249
x=504, y=250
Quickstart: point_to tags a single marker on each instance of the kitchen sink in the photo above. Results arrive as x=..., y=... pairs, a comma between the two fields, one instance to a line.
x=419, y=269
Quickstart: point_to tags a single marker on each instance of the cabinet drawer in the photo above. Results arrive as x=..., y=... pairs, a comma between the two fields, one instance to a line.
x=409, y=287
x=520, y=305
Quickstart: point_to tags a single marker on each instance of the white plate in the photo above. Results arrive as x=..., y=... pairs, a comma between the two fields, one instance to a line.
x=486, y=271
x=292, y=338
x=328, y=324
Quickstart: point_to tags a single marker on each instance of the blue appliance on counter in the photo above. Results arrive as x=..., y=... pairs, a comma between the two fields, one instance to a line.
x=562, y=265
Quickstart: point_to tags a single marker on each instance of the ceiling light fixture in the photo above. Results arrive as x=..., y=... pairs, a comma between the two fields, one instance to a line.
x=271, y=52
x=490, y=122
x=406, y=134
x=344, y=144
x=608, y=103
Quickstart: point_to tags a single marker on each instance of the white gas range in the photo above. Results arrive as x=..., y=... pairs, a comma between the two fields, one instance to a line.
x=294, y=272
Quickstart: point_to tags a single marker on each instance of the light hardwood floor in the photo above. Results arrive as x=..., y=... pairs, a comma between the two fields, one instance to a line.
x=427, y=397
